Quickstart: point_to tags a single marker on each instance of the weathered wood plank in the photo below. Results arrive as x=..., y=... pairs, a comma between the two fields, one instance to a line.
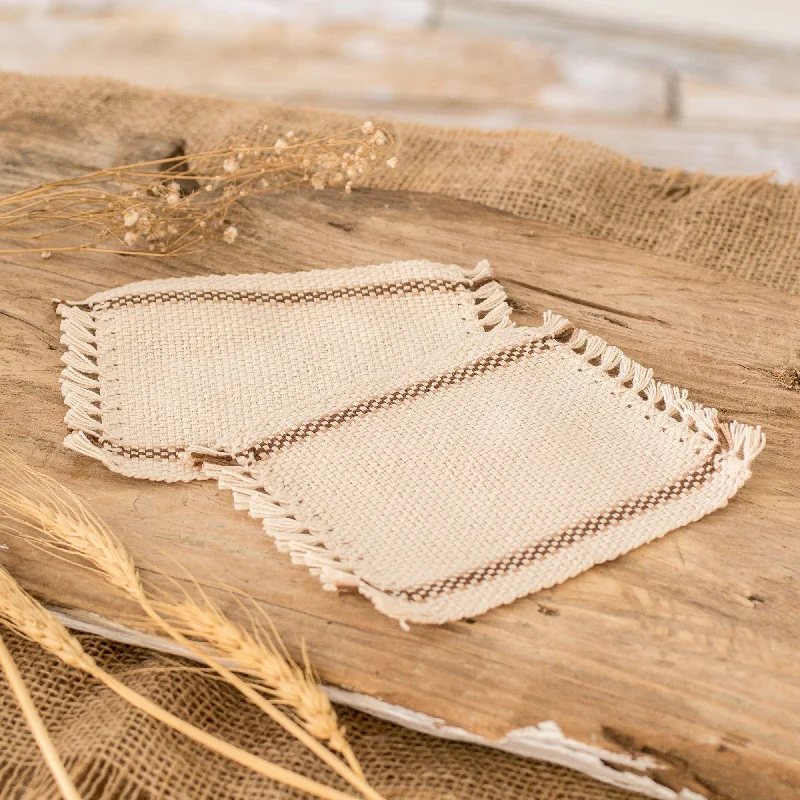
x=748, y=21
x=335, y=65
x=686, y=649
x=748, y=60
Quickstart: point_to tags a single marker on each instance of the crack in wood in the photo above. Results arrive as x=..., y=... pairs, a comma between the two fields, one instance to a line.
x=54, y=273
x=29, y=324
x=581, y=302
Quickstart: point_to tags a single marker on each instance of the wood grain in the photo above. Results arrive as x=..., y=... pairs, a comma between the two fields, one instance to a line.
x=686, y=649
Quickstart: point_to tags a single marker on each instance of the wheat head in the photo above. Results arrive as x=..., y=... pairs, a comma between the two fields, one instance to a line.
x=30, y=619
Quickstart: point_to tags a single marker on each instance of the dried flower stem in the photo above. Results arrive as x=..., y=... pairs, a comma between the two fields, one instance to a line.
x=170, y=206
x=37, y=728
x=65, y=525
x=24, y=615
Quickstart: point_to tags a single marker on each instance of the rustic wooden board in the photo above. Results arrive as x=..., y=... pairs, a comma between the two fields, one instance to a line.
x=686, y=649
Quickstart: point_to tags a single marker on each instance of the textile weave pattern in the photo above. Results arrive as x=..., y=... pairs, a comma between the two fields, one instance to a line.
x=491, y=469
x=155, y=367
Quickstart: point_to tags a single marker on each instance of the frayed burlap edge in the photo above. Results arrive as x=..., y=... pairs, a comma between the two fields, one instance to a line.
x=748, y=227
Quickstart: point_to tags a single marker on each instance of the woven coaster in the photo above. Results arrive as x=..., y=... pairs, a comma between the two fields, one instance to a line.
x=155, y=367
x=487, y=471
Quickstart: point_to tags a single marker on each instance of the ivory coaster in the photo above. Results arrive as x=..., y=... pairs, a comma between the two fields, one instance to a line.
x=155, y=367
x=491, y=469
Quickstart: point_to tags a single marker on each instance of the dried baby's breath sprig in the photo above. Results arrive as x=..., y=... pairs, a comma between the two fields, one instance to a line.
x=61, y=522
x=176, y=205
x=20, y=612
x=36, y=726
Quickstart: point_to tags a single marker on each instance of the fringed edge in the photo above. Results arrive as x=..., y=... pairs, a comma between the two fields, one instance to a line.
x=637, y=383
x=491, y=302
x=80, y=384
x=305, y=546
x=553, y=325
x=742, y=441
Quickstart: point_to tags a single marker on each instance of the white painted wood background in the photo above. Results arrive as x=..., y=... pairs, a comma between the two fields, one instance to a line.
x=768, y=21
x=663, y=82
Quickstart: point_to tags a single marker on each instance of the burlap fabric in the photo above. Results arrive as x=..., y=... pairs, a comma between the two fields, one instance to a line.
x=116, y=753
x=156, y=366
x=486, y=471
x=748, y=227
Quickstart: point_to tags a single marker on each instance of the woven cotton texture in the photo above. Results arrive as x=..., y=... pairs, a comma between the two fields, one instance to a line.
x=489, y=470
x=153, y=368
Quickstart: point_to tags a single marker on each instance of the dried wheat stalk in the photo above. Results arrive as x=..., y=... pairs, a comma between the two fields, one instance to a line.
x=37, y=727
x=174, y=205
x=62, y=522
x=258, y=655
x=20, y=612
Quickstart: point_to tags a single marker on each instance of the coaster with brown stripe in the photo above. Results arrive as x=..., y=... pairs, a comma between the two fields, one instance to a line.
x=488, y=470
x=158, y=367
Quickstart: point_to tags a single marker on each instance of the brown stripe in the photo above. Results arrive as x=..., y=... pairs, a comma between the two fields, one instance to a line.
x=568, y=537
x=166, y=454
x=150, y=453
x=396, y=288
x=412, y=287
x=509, y=355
